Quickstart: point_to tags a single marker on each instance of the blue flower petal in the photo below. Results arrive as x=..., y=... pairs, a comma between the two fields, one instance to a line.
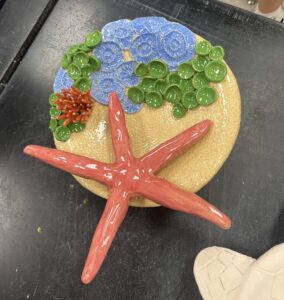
x=120, y=32
x=148, y=24
x=173, y=68
x=103, y=84
x=125, y=74
x=176, y=44
x=130, y=107
x=144, y=48
x=62, y=81
x=110, y=56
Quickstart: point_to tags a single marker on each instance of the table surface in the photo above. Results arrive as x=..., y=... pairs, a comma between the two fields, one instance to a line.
x=19, y=23
x=153, y=254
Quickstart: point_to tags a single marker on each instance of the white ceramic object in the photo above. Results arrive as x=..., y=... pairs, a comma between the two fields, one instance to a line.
x=223, y=274
x=219, y=271
x=265, y=278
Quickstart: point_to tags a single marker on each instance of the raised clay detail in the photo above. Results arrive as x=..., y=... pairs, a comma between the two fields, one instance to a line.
x=129, y=176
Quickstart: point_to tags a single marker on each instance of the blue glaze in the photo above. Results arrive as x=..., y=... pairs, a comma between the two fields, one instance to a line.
x=176, y=44
x=173, y=68
x=144, y=48
x=110, y=56
x=148, y=24
x=146, y=38
x=103, y=84
x=130, y=107
x=62, y=81
x=125, y=74
x=120, y=32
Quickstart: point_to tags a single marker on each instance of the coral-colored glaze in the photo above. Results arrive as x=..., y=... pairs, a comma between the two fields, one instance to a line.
x=128, y=177
x=74, y=105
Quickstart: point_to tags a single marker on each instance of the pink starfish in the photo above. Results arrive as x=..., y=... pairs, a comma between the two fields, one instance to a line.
x=129, y=176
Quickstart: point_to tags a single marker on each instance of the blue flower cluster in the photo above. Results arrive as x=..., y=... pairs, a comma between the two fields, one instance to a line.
x=62, y=81
x=146, y=39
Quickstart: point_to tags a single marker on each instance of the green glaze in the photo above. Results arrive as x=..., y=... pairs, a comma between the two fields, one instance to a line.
x=93, y=39
x=203, y=47
x=157, y=69
x=81, y=59
x=83, y=84
x=52, y=97
x=87, y=70
x=135, y=94
x=173, y=93
x=62, y=133
x=66, y=61
x=199, y=80
x=179, y=111
x=94, y=63
x=206, y=95
x=52, y=125
x=54, y=113
x=141, y=70
x=189, y=100
x=76, y=127
x=154, y=99
x=215, y=71
x=72, y=50
x=60, y=122
x=74, y=71
x=160, y=86
x=217, y=53
x=147, y=84
x=83, y=47
x=173, y=78
x=185, y=70
x=186, y=85
x=199, y=63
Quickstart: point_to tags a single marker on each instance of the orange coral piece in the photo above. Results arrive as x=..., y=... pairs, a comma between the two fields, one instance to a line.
x=76, y=106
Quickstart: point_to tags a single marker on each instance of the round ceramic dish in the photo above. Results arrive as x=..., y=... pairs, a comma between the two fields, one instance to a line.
x=148, y=128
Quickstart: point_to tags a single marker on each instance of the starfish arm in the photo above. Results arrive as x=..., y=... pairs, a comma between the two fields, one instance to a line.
x=119, y=133
x=113, y=215
x=72, y=163
x=168, y=150
x=169, y=195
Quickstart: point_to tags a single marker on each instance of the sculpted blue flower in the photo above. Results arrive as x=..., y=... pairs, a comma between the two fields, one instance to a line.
x=62, y=81
x=145, y=39
x=148, y=24
x=103, y=84
x=144, y=48
x=176, y=44
x=110, y=56
x=120, y=32
x=125, y=74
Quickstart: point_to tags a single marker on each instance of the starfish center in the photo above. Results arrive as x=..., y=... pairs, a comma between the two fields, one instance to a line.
x=129, y=174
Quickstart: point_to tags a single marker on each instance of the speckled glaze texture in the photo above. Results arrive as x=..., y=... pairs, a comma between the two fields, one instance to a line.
x=191, y=170
x=62, y=81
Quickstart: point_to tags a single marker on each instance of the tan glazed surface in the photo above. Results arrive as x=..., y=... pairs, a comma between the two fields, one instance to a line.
x=150, y=127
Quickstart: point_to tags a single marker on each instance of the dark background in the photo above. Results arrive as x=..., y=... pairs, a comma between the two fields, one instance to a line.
x=153, y=254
